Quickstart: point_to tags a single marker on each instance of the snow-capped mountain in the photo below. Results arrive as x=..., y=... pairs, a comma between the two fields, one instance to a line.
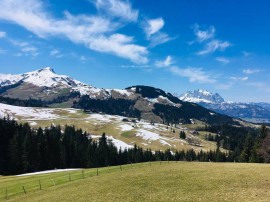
x=256, y=112
x=204, y=96
x=46, y=88
x=46, y=84
x=45, y=80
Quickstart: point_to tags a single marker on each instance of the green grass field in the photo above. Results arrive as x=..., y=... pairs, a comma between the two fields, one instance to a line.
x=173, y=181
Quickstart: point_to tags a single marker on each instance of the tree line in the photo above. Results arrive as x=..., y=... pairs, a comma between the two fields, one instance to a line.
x=24, y=149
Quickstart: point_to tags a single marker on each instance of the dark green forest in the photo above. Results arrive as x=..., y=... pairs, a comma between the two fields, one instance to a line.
x=23, y=149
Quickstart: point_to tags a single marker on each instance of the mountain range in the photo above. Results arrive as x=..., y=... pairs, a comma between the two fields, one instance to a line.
x=46, y=88
x=254, y=112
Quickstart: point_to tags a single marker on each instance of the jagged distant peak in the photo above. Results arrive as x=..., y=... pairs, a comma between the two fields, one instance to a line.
x=201, y=95
x=46, y=69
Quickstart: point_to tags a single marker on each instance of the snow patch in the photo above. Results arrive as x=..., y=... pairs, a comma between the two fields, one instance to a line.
x=29, y=113
x=164, y=142
x=151, y=136
x=119, y=144
x=123, y=92
x=48, y=171
x=125, y=127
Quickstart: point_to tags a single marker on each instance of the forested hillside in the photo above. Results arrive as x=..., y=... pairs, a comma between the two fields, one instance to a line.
x=23, y=149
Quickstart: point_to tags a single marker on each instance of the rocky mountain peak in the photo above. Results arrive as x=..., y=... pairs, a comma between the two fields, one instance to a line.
x=200, y=95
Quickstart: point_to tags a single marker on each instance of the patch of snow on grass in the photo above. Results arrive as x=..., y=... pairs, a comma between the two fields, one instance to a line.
x=148, y=126
x=98, y=117
x=33, y=123
x=29, y=113
x=147, y=135
x=151, y=136
x=104, y=117
x=164, y=142
x=48, y=171
x=72, y=111
x=125, y=127
x=119, y=144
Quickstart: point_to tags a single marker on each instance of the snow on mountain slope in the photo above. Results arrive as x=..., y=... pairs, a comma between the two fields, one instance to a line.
x=198, y=96
x=9, y=79
x=123, y=134
x=250, y=111
x=28, y=112
x=46, y=77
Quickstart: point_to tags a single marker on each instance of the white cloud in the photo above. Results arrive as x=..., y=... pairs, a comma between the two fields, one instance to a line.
x=153, y=26
x=165, y=63
x=234, y=78
x=26, y=48
x=263, y=87
x=194, y=74
x=214, y=45
x=159, y=38
x=251, y=71
x=152, y=31
x=135, y=66
x=207, y=37
x=56, y=53
x=120, y=45
x=222, y=60
x=3, y=34
x=224, y=86
x=95, y=32
x=118, y=8
x=203, y=35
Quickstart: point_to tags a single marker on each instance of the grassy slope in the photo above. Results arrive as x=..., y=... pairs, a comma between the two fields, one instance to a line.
x=97, y=127
x=183, y=181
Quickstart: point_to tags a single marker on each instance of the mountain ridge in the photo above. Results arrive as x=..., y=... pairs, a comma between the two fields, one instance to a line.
x=139, y=101
x=255, y=112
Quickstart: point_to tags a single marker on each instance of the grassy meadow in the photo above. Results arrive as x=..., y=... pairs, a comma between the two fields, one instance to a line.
x=165, y=181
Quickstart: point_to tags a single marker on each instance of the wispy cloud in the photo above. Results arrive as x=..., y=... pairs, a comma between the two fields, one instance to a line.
x=160, y=38
x=95, y=32
x=222, y=60
x=3, y=34
x=117, y=8
x=214, y=45
x=56, y=53
x=224, y=86
x=251, y=71
x=235, y=78
x=165, y=63
x=193, y=74
x=207, y=38
x=153, y=26
x=263, y=87
x=83, y=58
x=135, y=66
x=246, y=54
x=203, y=35
x=152, y=29
x=26, y=48
x=2, y=51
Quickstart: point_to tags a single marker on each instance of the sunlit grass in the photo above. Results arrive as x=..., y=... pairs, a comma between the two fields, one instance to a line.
x=173, y=181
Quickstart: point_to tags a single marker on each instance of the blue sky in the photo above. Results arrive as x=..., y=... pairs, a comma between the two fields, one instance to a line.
x=177, y=45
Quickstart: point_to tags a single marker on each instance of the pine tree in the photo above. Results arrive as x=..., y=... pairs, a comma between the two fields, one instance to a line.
x=182, y=135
